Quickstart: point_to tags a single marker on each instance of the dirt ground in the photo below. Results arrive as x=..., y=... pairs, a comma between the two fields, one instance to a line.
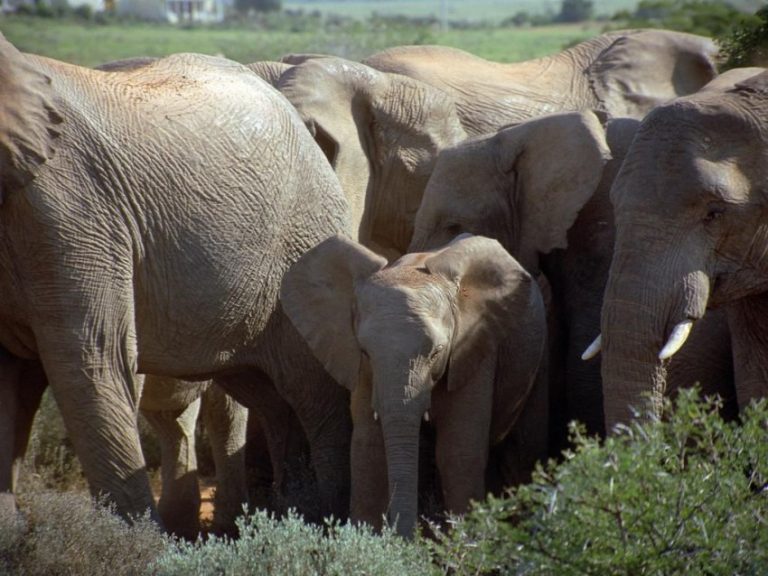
x=207, y=488
x=206, y=501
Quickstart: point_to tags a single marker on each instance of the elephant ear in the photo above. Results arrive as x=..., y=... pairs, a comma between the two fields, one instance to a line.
x=333, y=97
x=270, y=72
x=317, y=294
x=645, y=68
x=492, y=289
x=28, y=118
x=556, y=163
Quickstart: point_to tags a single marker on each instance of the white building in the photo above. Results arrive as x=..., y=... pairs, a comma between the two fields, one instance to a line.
x=174, y=11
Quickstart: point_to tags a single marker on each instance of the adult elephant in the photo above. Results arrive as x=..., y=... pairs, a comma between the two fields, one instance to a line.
x=419, y=339
x=623, y=74
x=146, y=219
x=381, y=133
x=542, y=190
x=691, y=193
x=172, y=408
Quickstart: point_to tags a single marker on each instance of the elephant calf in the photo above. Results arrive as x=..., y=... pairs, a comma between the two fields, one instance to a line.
x=421, y=339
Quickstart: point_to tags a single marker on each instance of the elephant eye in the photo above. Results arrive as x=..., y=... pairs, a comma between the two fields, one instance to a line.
x=436, y=351
x=714, y=212
x=453, y=229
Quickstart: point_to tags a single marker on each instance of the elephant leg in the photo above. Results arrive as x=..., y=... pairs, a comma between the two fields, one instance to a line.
x=87, y=345
x=258, y=465
x=283, y=434
x=22, y=384
x=557, y=349
x=749, y=339
x=462, y=420
x=179, y=504
x=226, y=421
x=528, y=440
x=10, y=370
x=584, y=389
x=370, y=489
x=328, y=427
x=322, y=409
x=276, y=443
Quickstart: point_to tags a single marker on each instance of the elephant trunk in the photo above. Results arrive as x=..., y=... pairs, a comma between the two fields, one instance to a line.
x=652, y=299
x=401, y=442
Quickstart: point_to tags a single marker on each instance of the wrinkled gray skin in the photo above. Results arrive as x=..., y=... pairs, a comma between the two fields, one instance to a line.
x=541, y=189
x=419, y=338
x=172, y=408
x=623, y=74
x=139, y=233
x=381, y=133
x=691, y=193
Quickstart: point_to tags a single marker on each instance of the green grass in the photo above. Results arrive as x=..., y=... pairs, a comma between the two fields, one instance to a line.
x=89, y=44
x=492, y=10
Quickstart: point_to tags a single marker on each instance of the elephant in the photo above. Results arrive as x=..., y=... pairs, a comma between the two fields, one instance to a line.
x=172, y=408
x=381, y=133
x=623, y=74
x=146, y=220
x=541, y=189
x=690, y=193
x=420, y=338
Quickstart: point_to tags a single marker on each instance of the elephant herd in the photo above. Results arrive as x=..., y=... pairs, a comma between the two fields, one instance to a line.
x=421, y=249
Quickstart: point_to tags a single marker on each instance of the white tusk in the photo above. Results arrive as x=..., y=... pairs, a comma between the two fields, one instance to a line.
x=593, y=349
x=676, y=339
x=375, y=415
x=426, y=416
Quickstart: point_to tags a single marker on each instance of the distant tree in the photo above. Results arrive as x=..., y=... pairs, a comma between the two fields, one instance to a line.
x=706, y=17
x=245, y=6
x=575, y=10
x=747, y=44
x=521, y=18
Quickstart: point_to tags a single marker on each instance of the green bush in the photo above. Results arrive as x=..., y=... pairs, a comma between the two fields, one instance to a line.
x=289, y=547
x=705, y=17
x=685, y=495
x=747, y=44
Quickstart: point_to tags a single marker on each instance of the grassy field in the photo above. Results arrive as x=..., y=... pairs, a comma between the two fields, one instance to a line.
x=491, y=10
x=91, y=44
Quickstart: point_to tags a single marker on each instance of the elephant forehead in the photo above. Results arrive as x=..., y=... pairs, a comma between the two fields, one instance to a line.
x=723, y=179
x=407, y=292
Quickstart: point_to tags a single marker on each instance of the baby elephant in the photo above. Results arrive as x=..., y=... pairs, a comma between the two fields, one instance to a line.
x=455, y=336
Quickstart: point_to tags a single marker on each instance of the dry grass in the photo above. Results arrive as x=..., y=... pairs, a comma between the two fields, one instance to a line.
x=63, y=534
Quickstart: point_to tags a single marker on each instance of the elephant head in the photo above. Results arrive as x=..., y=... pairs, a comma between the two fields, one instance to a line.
x=523, y=186
x=691, y=219
x=381, y=133
x=392, y=333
